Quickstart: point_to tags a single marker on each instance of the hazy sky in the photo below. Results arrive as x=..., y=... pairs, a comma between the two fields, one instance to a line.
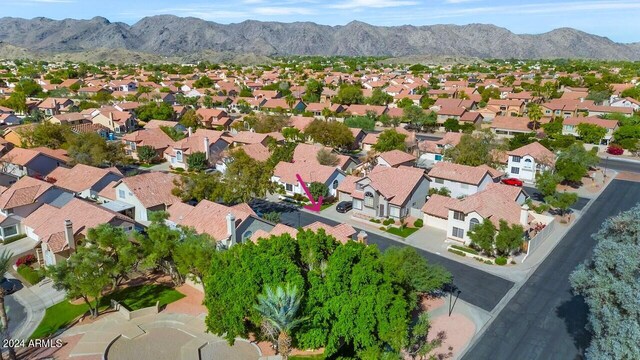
x=616, y=19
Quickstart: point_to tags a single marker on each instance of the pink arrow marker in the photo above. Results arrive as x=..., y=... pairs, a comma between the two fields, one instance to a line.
x=315, y=206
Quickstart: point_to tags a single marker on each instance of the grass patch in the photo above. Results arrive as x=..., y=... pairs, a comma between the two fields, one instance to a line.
x=324, y=206
x=307, y=357
x=31, y=275
x=13, y=238
x=133, y=298
x=146, y=166
x=465, y=249
x=403, y=232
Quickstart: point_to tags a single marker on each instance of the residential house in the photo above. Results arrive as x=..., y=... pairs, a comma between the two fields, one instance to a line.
x=626, y=102
x=54, y=106
x=432, y=151
x=83, y=180
x=156, y=138
x=527, y=161
x=115, y=121
x=61, y=230
x=462, y=180
x=570, y=126
x=69, y=119
x=508, y=126
x=506, y=107
x=214, y=118
x=285, y=175
x=7, y=119
x=459, y=216
x=309, y=153
x=38, y=161
x=22, y=198
x=210, y=142
x=282, y=104
x=381, y=194
x=396, y=158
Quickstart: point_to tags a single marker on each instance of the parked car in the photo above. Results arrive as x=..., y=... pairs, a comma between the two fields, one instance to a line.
x=344, y=206
x=10, y=285
x=512, y=182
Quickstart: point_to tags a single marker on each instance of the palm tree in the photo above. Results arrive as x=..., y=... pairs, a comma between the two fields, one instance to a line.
x=278, y=308
x=535, y=114
x=5, y=261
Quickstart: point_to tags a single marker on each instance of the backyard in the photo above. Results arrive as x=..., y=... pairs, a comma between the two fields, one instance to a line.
x=133, y=298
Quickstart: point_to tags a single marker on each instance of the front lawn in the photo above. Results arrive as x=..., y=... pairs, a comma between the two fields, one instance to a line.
x=133, y=298
x=29, y=274
x=307, y=357
x=403, y=232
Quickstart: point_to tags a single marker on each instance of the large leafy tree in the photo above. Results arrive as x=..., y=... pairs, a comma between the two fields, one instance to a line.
x=159, y=245
x=318, y=189
x=155, y=110
x=192, y=255
x=574, y=162
x=197, y=161
x=547, y=182
x=473, y=150
x=313, y=90
x=45, y=134
x=333, y=133
x=591, y=133
x=116, y=244
x=199, y=186
x=379, y=97
x=246, y=178
x=92, y=149
x=146, y=153
x=562, y=201
x=609, y=284
x=349, y=94
x=509, y=237
x=390, y=140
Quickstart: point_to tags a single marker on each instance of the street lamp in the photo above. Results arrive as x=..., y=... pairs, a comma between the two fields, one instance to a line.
x=451, y=289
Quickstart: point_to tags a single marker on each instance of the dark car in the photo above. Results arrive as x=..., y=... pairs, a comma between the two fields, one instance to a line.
x=344, y=206
x=10, y=285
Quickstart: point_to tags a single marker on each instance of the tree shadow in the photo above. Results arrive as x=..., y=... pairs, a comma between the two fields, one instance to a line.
x=575, y=314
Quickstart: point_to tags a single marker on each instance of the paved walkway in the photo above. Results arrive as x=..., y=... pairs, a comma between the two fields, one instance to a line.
x=36, y=299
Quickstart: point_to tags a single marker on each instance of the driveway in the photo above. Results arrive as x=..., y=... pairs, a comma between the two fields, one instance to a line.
x=544, y=320
x=479, y=288
x=536, y=195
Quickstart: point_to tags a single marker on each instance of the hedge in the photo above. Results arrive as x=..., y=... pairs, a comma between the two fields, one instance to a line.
x=465, y=249
x=418, y=223
x=501, y=261
x=457, y=252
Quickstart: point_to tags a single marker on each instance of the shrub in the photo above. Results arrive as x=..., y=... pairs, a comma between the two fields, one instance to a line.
x=382, y=228
x=375, y=221
x=465, y=249
x=388, y=222
x=501, y=261
x=178, y=170
x=418, y=223
x=26, y=260
x=488, y=262
x=615, y=150
x=457, y=252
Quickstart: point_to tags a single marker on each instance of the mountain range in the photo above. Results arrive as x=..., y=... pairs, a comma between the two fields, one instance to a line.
x=167, y=35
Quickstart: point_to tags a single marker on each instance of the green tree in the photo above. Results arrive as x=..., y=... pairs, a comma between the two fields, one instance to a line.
x=440, y=191
x=554, y=127
x=190, y=119
x=197, y=161
x=199, y=186
x=246, y=178
x=115, y=244
x=483, y=236
x=360, y=122
x=192, y=255
x=146, y=154
x=473, y=150
x=5, y=263
x=509, y=238
x=404, y=103
x=451, y=125
x=379, y=97
x=591, y=133
x=547, y=182
x=159, y=245
x=534, y=111
x=155, y=110
x=419, y=345
x=414, y=115
x=86, y=274
x=204, y=82
x=349, y=94
x=521, y=139
x=562, y=201
x=318, y=189
x=272, y=216
x=313, y=91
x=390, y=140
x=330, y=133
x=279, y=310
x=92, y=149
x=410, y=267
x=608, y=282
x=574, y=162
x=328, y=158
x=45, y=134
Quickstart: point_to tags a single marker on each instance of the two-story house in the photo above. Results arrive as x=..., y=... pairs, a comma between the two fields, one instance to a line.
x=285, y=175
x=156, y=138
x=462, y=180
x=83, y=180
x=210, y=142
x=527, y=161
x=570, y=127
x=432, y=151
x=39, y=161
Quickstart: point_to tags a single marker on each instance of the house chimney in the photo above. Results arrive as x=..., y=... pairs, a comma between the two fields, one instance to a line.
x=68, y=235
x=231, y=228
x=362, y=237
x=581, y=99
x=206, y=147
x=190, y=131
x=524, y=215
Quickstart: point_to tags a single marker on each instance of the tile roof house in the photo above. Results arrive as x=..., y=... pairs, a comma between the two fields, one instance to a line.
x=213, y=118
x=458, y=216
x=69, y=119
x=140, y=194
x=381, y=194
x=116, y=121
x=462, y=180
x=508, y=126
x=84, y=180
x=527, y=161
x=309, y=153
x=396, y=158
x=211, y=142
x=33, y=162
x=431, y=151
x=341, y=232
x=570, y=126
x=156, y=138
x=24, y=197
x=61, y=230
x=228, y=224
x=285, y=173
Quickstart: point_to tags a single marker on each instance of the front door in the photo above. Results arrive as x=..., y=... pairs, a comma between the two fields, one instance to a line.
x=381, y=210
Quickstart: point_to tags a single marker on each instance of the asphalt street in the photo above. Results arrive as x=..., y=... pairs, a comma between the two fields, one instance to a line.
x=544, y=320
x=614, y=164
x=478, y=287
x=16, y=313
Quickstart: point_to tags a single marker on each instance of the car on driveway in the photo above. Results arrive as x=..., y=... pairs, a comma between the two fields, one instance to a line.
x=10, y=285
x=344, y=206
x=512, y=182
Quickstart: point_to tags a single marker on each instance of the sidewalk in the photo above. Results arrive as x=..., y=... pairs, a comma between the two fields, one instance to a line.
x=19, y=247
x=36, y=299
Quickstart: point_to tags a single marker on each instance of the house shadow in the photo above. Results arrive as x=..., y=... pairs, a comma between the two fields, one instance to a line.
x=575, y=314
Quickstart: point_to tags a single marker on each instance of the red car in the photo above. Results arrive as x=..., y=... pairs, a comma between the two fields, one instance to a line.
x=512, y=182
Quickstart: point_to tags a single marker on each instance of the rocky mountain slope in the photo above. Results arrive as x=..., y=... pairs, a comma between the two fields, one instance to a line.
x=167, y=35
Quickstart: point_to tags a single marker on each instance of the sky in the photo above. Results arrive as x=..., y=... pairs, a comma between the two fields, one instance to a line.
x=615, y=19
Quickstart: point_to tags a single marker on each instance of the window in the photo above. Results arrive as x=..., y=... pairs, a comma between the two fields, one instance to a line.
x=515, y=159
x=394, y=211
x=515, y=170
x=438, y=157
x=464, y=186
x=247, y=234
x=335, y=184
x=439, y=181
x=357, y=204
x=121, y=194
x=133, y=145
x=359, y=186
x=289, y=187
x=473, y=223
x=527, y=160
x=457, y=232
x=458, y=215
x=9, y=231
x=368, y=199
x=179, y=156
